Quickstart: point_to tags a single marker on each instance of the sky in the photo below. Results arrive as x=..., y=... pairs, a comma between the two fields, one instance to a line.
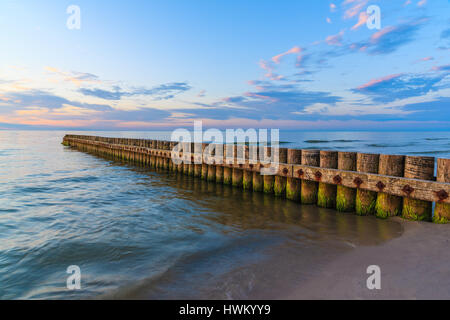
x=160, y=64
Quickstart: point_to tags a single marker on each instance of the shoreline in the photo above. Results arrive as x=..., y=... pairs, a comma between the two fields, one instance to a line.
x=413, y=266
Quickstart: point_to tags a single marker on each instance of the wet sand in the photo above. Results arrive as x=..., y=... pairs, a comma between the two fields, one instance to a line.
x=415, y=265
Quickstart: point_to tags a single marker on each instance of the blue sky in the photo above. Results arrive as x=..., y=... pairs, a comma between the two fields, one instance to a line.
x=309, y=65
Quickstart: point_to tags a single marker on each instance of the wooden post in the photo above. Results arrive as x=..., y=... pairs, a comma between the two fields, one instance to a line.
x=365, y=199
x=389, y=205
x=279, y=188
x=269, y=180
x=326, y=195
x=293, y=185
x=247, y=180
x=211, y=164
x=345, y=197
x=310, y=188
x=237, y=176
x=237, y=173
x=442, y=210
x=417, y=168
x=227, y=175
x=219, y=174
x=251, y=154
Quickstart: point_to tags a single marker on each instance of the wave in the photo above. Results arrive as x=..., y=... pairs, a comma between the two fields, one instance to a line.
x=388, y=145
x=328, y=141
x=431, y=152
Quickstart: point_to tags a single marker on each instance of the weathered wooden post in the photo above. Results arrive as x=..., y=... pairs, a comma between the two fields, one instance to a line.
x=166, y=159
x=279, y=187
x=366, y=200
x=417, y=168
x=198, y=156
x=442, y=210
x=269, y=180
x=293, y=185
x=251, y=158
x=191, y=166
x=346, y=197
x=219, y=167
x=229, y=162
x=237, y=172
x=212, y=162
x=326, y=195
x=389, y=205
x=258, y=179
x=204, y=164
x=309, y=188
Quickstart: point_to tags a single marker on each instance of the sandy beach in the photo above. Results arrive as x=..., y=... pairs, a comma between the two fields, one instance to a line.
x=413, y=266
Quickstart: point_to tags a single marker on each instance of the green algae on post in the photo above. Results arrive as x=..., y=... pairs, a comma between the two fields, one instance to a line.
x=345, y=196
x=258, y=182
x=293, y=185
x=279, y=187
x=326, y=194
x=247, y=180
x=365, y=199
x=389, y=205
x=442, y=210
x=417, y=168
x=309, y=189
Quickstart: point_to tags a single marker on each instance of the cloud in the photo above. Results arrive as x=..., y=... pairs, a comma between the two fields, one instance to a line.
x=401, y=86
x=43, y=99
x=421, y=3
x=429, y=58
x=75, y=77
x=332, y=7
x=295, y=50
x=390, y=38
x=361, y=21
x=267, y=101
x=355, y=8
x=441, y=68
x=161, y=92
x=335, y=40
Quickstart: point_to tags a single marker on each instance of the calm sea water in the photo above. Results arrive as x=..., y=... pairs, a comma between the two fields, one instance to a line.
x=140, y=233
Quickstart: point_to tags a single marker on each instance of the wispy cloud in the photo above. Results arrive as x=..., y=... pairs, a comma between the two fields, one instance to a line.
x=76, y=78
x=401, y=86
x=161, y=92
x=295, y=50
x=390, y=38
x=336, y=39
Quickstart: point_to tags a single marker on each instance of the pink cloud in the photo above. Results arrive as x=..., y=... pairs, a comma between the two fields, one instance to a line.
x=421, y=3
x=335, y=40
x=332, y=7
x=426, y=59
x=361, y=21
x=379, y=80
x=355, y=9
x=294, y=50
x=377, y=35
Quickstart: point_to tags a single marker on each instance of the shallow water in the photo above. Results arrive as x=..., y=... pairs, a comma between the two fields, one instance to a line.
x=140, y=233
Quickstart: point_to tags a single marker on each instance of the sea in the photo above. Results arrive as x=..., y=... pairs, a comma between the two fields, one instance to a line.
x=135, y=232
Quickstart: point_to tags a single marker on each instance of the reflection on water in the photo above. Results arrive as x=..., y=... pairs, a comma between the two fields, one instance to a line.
x=141, y=233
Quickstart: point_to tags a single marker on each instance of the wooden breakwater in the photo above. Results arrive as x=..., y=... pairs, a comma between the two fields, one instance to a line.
x=367, y=184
